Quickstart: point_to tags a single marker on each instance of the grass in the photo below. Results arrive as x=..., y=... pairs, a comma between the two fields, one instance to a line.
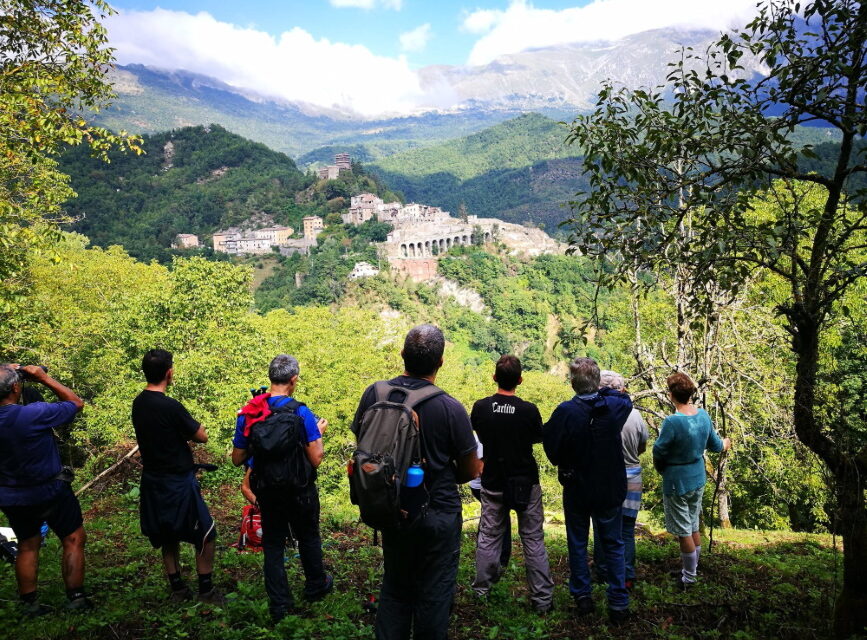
x=754, y=585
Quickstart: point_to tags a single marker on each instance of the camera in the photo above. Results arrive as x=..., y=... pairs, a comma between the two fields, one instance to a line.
x=26, y=376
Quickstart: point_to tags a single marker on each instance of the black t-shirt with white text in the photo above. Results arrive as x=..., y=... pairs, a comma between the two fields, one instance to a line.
x=163, y=427
x=446, y=436
x=508, y=427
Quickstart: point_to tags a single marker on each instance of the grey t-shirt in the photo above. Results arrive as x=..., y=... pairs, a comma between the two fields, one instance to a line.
x=634, y=435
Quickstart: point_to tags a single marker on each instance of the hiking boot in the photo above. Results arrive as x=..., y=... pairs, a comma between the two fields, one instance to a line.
x=79, y=604
x=321, y=593
x=584, y=604
x=618, y=617
x=35, y=610
x=682, y=585
x=543, y=610
x=214, y=597
x=178, y=596
x=281, y=612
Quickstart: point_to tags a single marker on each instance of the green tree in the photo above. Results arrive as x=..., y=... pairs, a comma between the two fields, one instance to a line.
x=812, y=233
x=53, y=68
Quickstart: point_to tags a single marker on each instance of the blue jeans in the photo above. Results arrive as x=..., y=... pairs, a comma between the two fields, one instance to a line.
x=628, y=535
x=609, y=523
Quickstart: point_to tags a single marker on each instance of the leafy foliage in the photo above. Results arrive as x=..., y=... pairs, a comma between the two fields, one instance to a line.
x=54, y=64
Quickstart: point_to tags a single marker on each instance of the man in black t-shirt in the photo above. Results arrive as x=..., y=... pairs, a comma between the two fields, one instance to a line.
x=508, y=427
x=421, y=562
x=171, y=507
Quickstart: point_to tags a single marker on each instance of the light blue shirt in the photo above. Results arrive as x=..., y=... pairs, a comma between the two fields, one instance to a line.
x=681, y=445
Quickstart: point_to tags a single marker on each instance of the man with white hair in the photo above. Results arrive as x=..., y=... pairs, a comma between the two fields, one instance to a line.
x=582, y=438
x=634, y=437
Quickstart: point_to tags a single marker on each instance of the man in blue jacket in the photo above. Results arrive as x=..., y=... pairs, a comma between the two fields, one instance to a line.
x=582, y=438
x=32, y=490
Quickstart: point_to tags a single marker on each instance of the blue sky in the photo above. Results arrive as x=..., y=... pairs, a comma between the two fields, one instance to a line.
x=377, y=28
x=368, y=56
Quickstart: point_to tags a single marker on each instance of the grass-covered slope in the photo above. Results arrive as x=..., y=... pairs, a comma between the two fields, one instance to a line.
x=753, y=585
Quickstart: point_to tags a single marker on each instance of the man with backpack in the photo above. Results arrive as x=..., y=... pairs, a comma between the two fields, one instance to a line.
x=415, y=443
x=508, y=427
x=582, y=438
x=281, y=439
x=172, y=509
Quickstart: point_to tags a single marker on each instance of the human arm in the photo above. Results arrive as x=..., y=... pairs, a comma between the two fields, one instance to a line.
x=535, y=431
x=714, y=442
x=643, y=434
x=468, y=467
x=200, y=435
x=314, y=427
x=249, y=496
x=554, y=435
x=239, y=443
x=63, y=393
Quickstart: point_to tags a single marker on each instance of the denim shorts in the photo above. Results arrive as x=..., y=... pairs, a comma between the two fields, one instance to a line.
x=682, y=512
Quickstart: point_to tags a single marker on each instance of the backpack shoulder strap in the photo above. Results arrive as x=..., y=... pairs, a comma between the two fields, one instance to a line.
x=411, y=397
x=287, y=405
x=415, y=397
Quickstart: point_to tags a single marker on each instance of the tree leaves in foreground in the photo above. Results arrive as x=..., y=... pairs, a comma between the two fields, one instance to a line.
x=703, y=169
x=53, y=61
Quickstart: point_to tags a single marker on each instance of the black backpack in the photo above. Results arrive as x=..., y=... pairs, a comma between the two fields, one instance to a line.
x=278, y=446
x=389, y=441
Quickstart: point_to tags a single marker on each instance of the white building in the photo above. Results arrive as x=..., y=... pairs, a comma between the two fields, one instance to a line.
x=363, y=270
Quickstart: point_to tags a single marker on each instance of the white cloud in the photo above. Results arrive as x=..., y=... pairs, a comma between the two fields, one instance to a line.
x=397, y=5
x=481, y=20
x=522, y=26
x=294, y=65
x=417, y=39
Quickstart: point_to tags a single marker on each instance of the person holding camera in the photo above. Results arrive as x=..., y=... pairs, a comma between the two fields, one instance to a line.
x=34, y=487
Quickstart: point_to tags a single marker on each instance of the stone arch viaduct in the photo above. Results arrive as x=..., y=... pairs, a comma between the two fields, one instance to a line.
x=438, y=242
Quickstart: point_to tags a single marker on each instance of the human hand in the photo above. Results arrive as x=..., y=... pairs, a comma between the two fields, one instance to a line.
x=323, y=425
x=727, y=444
x=33, y=372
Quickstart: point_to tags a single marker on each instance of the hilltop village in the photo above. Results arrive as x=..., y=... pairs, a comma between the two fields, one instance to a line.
x=420, y=233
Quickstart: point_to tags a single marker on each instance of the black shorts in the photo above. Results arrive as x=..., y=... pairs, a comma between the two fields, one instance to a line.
x=62, y=513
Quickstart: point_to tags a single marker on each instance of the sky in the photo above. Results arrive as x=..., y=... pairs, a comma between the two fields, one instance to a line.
x=364, y=55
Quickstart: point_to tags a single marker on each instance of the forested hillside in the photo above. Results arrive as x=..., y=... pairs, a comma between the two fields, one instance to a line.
x=519, y=170
x=195, y=180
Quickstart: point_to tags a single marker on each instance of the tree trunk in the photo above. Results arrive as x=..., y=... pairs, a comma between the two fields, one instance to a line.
x=723, y=498
x=850, y=612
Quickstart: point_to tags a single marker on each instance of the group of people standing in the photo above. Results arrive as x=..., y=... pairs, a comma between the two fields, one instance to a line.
x=595, y=439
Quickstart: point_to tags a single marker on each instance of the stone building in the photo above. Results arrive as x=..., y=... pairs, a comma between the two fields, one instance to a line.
x=313, y=226
x=343, y=161
x=238, y=241
x=185, y=241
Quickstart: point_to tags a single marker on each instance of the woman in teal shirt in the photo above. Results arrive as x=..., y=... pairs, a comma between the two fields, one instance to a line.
x=679, y=455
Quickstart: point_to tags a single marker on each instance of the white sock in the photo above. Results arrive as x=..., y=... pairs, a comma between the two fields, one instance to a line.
x=697, y=555
x=690, y=564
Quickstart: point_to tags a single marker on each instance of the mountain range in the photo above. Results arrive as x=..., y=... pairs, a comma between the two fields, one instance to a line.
x=557, y=81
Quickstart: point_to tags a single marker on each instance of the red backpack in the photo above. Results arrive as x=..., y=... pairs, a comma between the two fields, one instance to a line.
x=251, y=529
